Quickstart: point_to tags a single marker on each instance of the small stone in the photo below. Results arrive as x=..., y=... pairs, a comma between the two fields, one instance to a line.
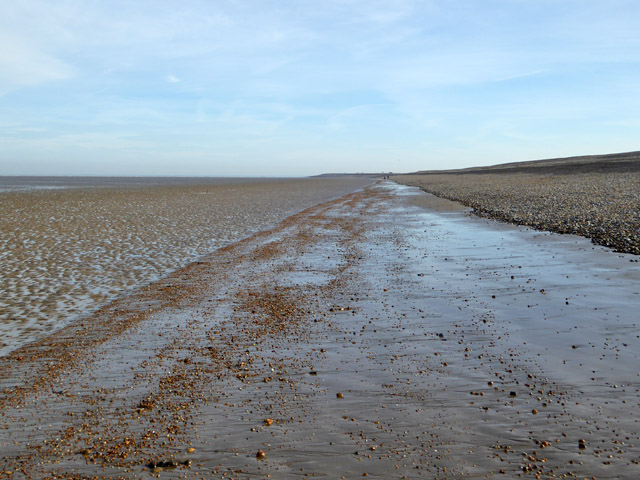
x=268, y=422
x=191, y=450
x=339, y=395
x=261, y=454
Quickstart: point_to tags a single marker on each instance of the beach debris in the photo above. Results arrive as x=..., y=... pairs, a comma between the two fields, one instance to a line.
x=165, y=464
x=146, y=404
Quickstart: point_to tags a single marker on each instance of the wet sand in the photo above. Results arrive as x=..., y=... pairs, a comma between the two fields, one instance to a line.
x=70, y=244
x=384, y=334
x=597, y=197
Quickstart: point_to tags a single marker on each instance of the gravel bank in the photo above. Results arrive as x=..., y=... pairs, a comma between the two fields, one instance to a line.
x=595, y=197
x=349, y=341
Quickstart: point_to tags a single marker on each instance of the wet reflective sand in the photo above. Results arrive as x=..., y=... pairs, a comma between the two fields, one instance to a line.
x=597, y=197
x=385, y=334
x=69, y=245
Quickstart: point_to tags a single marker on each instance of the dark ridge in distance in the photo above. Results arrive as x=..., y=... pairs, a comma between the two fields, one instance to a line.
x=614, y=162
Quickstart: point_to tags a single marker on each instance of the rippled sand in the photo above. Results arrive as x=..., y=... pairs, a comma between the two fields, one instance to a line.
x=65, y=251
x=371, y=336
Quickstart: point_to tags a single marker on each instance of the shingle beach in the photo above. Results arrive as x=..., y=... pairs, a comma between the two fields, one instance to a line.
x=597, y=197
x=383, y=334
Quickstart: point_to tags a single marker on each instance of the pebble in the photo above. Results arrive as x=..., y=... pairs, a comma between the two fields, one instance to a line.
x=597, y=198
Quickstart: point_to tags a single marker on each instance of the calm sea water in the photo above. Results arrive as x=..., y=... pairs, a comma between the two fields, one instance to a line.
x=69, y=245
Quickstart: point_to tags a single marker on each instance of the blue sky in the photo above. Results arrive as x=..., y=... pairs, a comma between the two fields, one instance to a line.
x=305, y=87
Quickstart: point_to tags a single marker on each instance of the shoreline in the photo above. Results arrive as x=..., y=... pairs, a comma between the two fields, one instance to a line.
x=594, y=197
x=68, y=251
x=381, y=333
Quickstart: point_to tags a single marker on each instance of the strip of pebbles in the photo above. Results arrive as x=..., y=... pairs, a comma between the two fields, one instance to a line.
x=597, y=197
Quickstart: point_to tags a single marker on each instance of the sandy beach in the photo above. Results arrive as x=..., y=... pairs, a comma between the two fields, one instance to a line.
x=385, y=334
x=70, y=244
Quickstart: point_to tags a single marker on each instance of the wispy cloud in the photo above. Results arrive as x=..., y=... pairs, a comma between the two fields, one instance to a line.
x=517, y=76
x=409, y=74
x=25, y=65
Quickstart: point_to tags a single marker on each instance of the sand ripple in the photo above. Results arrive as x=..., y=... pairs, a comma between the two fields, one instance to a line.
x=64, y=252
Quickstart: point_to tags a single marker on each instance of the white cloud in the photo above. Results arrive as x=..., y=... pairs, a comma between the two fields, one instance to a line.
x=25, y=65
x=423, y=70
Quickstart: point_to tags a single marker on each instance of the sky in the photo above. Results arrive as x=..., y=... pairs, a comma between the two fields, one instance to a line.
x=303, y=87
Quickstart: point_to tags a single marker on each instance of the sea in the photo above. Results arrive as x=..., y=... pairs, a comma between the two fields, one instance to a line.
x=69, y=245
